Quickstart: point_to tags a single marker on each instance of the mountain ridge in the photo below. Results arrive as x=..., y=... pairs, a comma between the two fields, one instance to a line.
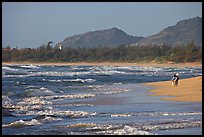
x=183, y=32
x=108, y=38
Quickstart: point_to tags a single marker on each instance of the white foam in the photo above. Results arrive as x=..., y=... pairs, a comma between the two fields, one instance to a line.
x=34, y=91
x=166, y=113
x=80, y=125
x=150, y=114
x=113, y=91
x=55, y=73
x=69, y=96
x=33, y=101
x=70, y=80
x=10, y=72
x=6, y=102
x=181, y=113
x=109, y=129
x=78, y=105
x=120, y=115
x=21, y=123
x=68, y=113
x=79, y=80
x=94, y=87
x=32, y=122
x=107, y=91
x=8, y=68
x=50, y=119
x=29, y=66
x=172, y=125
x=127, y=130
x=52, y=80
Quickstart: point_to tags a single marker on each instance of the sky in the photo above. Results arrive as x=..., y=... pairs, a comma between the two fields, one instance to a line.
x=31, y=24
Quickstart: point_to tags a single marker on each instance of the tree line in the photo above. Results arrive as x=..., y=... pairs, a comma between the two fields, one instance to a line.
x=141, y=53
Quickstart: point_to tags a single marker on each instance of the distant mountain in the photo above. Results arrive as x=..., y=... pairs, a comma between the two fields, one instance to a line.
x=183, y=32
x=109, y=38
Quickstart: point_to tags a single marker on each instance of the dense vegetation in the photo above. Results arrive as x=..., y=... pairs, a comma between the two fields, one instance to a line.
x=164, y=53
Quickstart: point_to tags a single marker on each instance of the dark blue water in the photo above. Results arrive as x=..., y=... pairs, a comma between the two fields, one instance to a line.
x=60, y=100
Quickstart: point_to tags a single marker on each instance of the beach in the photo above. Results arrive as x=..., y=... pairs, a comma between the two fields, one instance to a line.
x=82, y=99
x=188, y=90
x=150, y=64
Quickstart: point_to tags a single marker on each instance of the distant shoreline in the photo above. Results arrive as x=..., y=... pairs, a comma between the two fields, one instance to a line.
x=150, y=64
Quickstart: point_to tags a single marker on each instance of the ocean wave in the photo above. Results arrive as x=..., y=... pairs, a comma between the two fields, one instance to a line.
x=45, y=118
x=120, y=115
x=132, y=129
x=11, y=72
x=168, y=114
x=36, y=106
x=94, y=87
x=78, y=68
x=33, y=101
x=35, y=91
x=6, y=101
x=179, y=124
x=79, y=80
x=56, y=73
x=77, y=105
x=29, y=66
x=79, y=73
x=52, y=80
x=71, y=80
x=8, y=68
x=107, y=129
x=80, y=125
x=21, y=123
x=69, y=96
x=154, y=69
x=53, y=112
x=103, y=91
x=151, y=114
x=109, y=71
x=37, y=121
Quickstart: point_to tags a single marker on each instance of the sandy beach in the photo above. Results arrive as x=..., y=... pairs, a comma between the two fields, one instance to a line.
x=150, y=64
x=188, y=90
x=113, y=99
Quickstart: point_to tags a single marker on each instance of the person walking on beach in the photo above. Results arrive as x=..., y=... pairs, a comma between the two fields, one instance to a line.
x=175, y=79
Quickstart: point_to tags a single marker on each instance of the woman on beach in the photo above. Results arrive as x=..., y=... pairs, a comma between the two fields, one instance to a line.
x=175, y=79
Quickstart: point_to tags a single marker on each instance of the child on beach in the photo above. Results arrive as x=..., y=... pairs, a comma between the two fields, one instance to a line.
x=175, y=79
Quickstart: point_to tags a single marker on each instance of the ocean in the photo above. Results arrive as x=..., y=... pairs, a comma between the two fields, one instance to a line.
x=94, y=100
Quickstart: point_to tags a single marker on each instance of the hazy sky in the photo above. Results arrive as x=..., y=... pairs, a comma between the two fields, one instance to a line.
x=29, y=24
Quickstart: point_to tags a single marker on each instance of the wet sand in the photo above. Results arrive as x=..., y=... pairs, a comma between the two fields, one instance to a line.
x=123, y=64
x=188, y=90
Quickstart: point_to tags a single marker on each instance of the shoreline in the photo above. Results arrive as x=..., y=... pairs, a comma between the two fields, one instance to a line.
x=122, y=64
x=188, y=90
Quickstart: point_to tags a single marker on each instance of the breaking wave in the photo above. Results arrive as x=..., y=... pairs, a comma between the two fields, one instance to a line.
x=71, y=80
x=29, y=66
x=20, y=71
x=37, y=121
x=31, y=91
x=106, y=129
x=63, y=100
x=21, y=123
